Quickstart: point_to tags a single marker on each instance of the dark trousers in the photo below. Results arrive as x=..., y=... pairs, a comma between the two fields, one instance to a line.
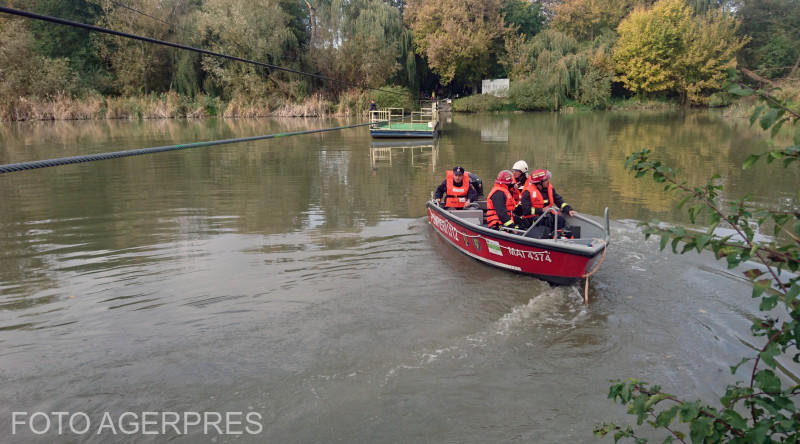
x=549, y=221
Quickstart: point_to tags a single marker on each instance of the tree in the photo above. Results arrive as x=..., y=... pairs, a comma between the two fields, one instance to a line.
x=72, y=44
x=257, y=30
x=553, y=67
x=372, y=42
x=26, y=73
x=774, y=26
x=456, y=37
x=710, y=50
x=764, y=408
x=666, y=49
x=526, y=16
x=138, y=67
x=585, y=19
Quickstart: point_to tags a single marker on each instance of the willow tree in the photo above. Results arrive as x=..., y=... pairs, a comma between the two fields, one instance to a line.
x=253, y=29
x=456, y=37
x=553, y=67
x=666, y=49
x=372, y=41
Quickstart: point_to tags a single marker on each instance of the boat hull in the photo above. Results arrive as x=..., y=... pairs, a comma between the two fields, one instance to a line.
x=544, y=259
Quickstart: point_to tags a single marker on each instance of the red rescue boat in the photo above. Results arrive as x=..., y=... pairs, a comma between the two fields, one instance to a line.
x=562, y=257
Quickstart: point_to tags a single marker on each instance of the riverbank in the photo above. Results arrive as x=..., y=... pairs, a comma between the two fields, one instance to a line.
x=173, y=106
x=487, y=103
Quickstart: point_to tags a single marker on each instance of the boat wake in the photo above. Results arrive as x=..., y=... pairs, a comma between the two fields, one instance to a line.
x=554, y=310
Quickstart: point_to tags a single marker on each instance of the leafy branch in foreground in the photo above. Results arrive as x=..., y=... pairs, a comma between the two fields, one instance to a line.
x=763, y=409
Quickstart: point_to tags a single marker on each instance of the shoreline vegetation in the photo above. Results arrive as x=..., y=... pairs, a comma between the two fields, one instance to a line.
x=559, y=56
x=171, y=105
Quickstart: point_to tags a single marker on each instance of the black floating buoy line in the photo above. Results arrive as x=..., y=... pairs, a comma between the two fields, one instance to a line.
x=22, y=166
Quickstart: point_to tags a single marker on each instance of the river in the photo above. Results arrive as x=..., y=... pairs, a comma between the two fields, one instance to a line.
x=296, y=280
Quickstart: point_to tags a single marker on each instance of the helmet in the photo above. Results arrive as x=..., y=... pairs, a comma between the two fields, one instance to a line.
x=540, y=176
x=505, y=178
x=520, y=165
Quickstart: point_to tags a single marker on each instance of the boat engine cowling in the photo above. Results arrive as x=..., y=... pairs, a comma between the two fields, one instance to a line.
x=476, y=183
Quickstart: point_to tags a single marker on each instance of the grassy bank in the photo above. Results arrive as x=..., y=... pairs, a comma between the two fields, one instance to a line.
x=172, y=105
x=162, y=106
x=488, y=103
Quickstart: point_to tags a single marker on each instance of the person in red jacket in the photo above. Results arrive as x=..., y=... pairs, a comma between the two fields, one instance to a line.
x=501, y=201
x=456, y=189
x=537, y=195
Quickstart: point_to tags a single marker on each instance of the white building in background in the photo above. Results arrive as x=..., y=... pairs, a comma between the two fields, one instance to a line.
x=495, y=87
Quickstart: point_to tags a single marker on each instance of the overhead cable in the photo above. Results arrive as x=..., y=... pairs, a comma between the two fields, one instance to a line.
x=61, y=21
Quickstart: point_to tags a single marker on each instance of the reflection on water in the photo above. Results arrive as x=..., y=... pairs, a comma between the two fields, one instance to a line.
x=298, y=277
x=423, y=152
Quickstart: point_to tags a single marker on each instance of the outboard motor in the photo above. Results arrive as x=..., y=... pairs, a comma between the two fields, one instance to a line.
x=476, y=183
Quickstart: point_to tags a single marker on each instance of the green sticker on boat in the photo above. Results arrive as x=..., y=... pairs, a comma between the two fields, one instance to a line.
x=494, y=247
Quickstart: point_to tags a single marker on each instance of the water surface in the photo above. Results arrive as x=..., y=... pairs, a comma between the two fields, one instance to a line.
x=298, y=278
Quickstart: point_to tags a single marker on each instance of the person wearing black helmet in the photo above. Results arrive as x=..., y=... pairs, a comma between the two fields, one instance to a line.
x=501, y=201
x=456, y=189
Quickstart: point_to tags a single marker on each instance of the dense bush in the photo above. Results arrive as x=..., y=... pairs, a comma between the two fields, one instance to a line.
x=480, y=102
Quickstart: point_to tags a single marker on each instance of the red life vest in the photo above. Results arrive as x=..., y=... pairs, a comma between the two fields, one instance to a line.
x=456, y=195
x=491, y=214
x=537, y=200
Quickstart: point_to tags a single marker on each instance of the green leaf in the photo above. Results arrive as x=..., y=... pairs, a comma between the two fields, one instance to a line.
x=664, y=240
x=792, y=293
x=735, y=420
x=751, y=159
x=756, y=113
x=665, y=418
x=777, y=127
x=758, y=434
x=734, y=368
x=699, y=429
x=768, y=303
x=759, y=287
x=702, y=240
x=689, y=411
x=768, y=119
x=769, y=353
x=767, y=381
x=739, y=91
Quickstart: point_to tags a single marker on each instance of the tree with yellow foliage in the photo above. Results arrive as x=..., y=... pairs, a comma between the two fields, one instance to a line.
x=667, y=49
x=586, y=19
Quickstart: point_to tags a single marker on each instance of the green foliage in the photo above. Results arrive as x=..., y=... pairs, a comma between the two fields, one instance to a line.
x=26, y=73
x=765, y=408
x=72, y=44
x=257, y=30
x=393, y=96
x=527, y=17
x=586, y=19
x=774, y=26
x=666, y=49
x=456, y=37
x=558, y=70
x=480, y=103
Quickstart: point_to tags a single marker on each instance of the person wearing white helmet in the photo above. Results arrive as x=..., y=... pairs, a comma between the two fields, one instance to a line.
x=520, y=171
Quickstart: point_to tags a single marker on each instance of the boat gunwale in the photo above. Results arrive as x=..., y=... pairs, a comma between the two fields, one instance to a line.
x=548, y=244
